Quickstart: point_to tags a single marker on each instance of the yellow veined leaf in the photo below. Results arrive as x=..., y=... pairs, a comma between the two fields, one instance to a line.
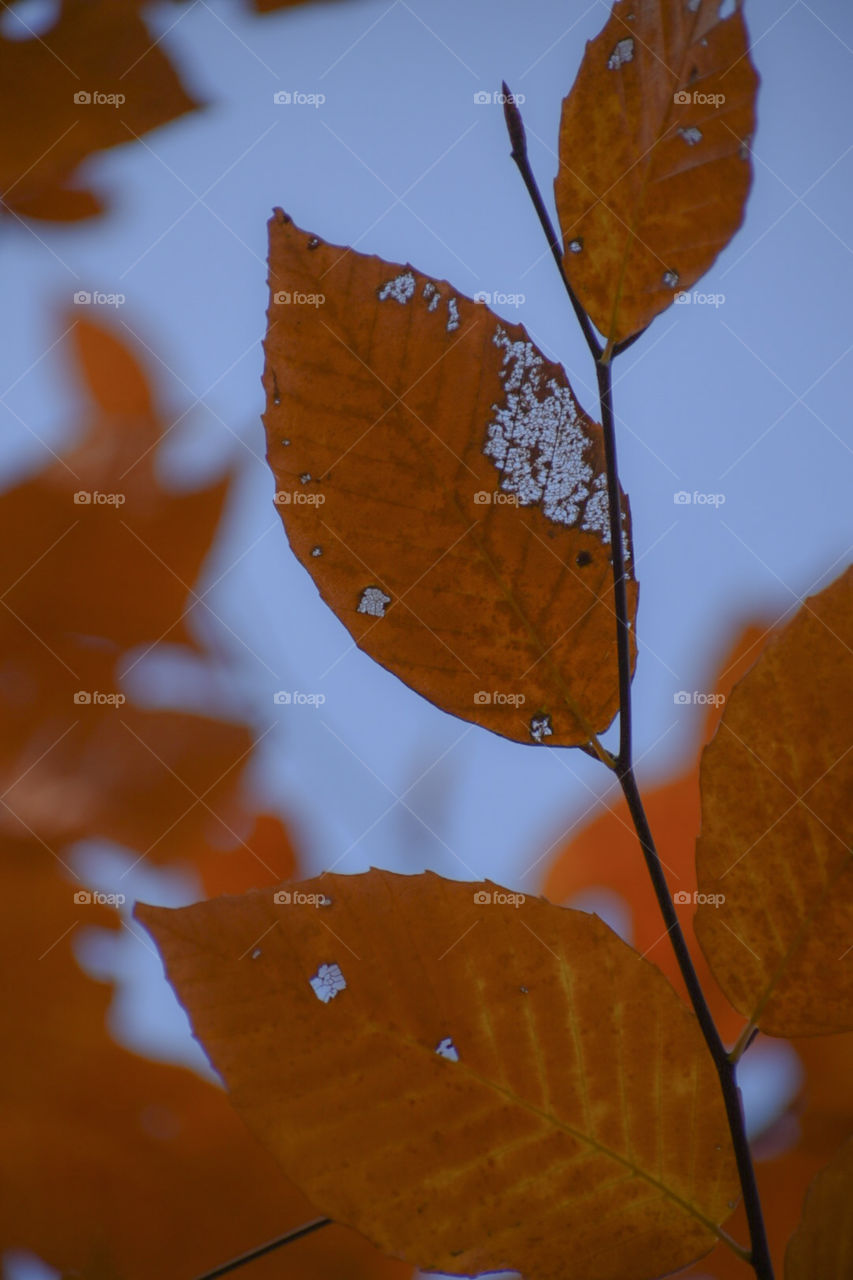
x=654, y=156
x=774, y=852
x=474, y=1080
x=822, y=1245
x=446, y=492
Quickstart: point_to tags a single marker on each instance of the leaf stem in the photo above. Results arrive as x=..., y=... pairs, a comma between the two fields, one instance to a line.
x=296, y=1234
x=759, y=1255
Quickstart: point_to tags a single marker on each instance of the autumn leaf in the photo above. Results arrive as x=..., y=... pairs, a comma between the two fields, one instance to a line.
x=473, y=1081
x=773, y=857
x=654, y=157
x=96, y=79
x=823, y=1242
x=444, y=489
x=113, y=1165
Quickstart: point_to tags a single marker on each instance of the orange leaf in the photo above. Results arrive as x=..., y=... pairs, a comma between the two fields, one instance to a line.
x=823, y=1242
x=112, y=1165
x=654, y=157
x=98, y=47
x=439, y=481
x=776, y=828
x=474, y=1082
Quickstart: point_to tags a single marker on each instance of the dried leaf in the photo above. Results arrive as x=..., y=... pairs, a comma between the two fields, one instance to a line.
x=447, y=494
x=112, y=1165
x=475, y=1085
x=96, y=79
x=654, y=156
x=822, y=1245
x=776, y=828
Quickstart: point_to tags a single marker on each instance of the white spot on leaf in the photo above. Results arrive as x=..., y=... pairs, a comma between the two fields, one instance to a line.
x=453, y=315
x=623, y=52
x=691, y=136
x=576, y=245
x=256, y=954
x=373, y=601
x=327, y=982
x=432, y=294
x=541, y=727
x=447, y=1049
x=538, y=442
x=670, y=279
x=401, y=288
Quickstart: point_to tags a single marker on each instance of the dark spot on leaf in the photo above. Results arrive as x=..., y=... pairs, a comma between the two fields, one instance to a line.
x=583, y=558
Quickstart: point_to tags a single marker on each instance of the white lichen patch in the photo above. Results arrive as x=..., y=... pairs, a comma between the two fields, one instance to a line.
x=401, y=288
x=538, y=442
x=432, y=293
x=327, y=982
x=373, y=601
x=622, y=53
x=691, y=136
x=453, y=315
x=447, y=1049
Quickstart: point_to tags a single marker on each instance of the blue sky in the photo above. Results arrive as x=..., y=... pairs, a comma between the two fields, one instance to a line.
x=749, y=399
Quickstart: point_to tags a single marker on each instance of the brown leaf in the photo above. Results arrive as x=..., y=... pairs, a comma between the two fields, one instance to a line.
x=447, y=494
x=112, y=1165
x=776, y=828
x=654, y=157
x=473, y=1085
x=822, y=1245
x=95, y=47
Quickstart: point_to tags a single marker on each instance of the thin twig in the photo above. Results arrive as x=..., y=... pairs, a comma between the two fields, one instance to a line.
x=759, y=1257
x=518, y=138
x=296, y=1234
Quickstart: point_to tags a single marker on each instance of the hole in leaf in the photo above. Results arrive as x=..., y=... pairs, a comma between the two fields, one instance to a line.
x=447, y=1049
x=583, y=558
x=316, y=551
x=622, y=53
x=670, y=279
x=401, y=288
x=453, y=318
x=691, y=136
x=576, y=245
x=541, y=727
